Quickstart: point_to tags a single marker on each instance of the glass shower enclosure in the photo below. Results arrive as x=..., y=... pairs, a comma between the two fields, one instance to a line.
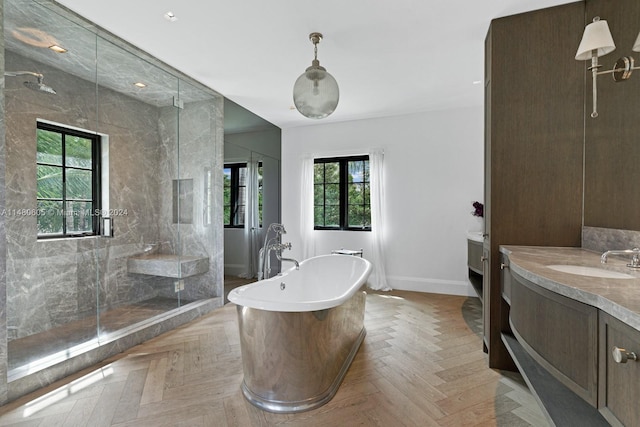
x=112, y=210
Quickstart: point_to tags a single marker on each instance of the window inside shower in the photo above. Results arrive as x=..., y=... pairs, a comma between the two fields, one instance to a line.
x=68, y=182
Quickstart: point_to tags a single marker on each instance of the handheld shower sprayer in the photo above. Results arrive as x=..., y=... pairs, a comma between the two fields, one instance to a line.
x=278, y=228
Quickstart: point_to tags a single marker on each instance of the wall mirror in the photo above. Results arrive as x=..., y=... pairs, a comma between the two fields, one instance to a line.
x=252, y=188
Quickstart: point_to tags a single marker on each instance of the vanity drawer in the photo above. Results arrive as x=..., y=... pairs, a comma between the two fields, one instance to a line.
x=474, y=256
x=505, y=278
x=619, y=383
x=561, y=334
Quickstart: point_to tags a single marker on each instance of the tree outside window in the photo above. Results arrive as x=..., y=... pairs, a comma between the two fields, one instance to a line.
x=67, y=163
x=342, y=194
x=235, y=194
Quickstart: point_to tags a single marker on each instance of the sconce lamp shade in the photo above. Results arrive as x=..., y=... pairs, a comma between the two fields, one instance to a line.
x=597, y=36
x=636, y=45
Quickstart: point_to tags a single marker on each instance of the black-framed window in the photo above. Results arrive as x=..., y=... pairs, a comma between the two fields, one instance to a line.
x=68, y=182
x=235, y=194
x=342, y=193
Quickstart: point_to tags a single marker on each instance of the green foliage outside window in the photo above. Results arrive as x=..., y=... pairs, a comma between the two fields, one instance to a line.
x=235, y=194
x=227, y=196
x=342, y=194
x=66, y=182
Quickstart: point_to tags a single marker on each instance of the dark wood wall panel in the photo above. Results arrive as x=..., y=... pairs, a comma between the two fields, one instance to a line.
x=612, y=143
x=534, y=142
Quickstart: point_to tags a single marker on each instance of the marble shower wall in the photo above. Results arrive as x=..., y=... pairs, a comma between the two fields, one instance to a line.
x=196, y=156
x=50, y=283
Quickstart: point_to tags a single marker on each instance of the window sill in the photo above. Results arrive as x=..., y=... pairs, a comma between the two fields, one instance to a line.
x=341, y=229
x=59, y=239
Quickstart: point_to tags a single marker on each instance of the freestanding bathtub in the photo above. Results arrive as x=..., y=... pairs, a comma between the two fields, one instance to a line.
x=299, y=332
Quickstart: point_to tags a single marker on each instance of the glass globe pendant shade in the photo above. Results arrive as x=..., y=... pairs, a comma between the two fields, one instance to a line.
x=315, y=92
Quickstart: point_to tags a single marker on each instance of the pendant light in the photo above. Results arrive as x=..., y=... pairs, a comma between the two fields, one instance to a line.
x=315, y=93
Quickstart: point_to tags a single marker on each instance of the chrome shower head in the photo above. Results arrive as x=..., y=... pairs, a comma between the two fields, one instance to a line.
x=39, y=86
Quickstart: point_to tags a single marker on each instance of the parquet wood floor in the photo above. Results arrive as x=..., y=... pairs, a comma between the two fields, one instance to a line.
x=421, y=364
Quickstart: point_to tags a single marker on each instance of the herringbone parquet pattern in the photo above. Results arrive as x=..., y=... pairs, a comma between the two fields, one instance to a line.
x=421, y=364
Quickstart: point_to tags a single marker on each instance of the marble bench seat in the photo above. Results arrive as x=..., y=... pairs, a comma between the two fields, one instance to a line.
x=167, y=265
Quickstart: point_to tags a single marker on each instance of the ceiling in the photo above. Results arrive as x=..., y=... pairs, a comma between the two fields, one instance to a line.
x=390, y=57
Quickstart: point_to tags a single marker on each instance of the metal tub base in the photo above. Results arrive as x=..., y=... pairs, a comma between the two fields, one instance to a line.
x=296, y=361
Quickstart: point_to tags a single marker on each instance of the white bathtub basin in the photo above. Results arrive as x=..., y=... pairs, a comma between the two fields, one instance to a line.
x=582, y=270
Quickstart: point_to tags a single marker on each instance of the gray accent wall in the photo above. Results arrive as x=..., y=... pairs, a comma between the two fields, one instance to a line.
x=53, y=282
x=196, y=155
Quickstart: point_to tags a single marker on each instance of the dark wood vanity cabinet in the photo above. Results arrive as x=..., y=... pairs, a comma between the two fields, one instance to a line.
x=580, y=361
x=561, y=334
x=505, y=278
x=474, y=256
x=619, y=383
x=475, y=261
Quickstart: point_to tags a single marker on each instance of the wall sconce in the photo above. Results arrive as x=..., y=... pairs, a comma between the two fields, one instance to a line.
x=597, y=41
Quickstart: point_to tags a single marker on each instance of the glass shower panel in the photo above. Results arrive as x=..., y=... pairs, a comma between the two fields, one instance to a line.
x=199, y=224
x=138, y=124
x=50, y=104
x=268, y=200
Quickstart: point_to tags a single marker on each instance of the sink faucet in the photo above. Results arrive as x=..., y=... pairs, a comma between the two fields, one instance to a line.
x=635, y=259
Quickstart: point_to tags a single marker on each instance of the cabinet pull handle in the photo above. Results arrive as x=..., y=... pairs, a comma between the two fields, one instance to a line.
x=483, y=258
x=620, y=355
x=503, y=266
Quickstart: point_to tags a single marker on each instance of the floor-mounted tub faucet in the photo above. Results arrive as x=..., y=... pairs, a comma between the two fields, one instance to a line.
x=273, y=244
x=635, y=256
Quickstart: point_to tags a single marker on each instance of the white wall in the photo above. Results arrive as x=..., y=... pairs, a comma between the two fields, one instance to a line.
x=433, y=173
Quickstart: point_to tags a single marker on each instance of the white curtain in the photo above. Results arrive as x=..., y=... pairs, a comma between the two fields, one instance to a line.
x=378, y=279
x=252, y=230
x=306, y=208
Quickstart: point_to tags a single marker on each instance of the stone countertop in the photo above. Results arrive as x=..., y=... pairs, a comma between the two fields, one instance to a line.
x=618, y=297
x=476, y=236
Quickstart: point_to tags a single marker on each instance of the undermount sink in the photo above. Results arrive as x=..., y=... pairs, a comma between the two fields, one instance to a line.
x=582, y=270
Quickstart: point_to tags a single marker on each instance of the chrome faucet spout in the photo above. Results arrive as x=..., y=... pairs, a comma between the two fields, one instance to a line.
x=279, y=247
x=635, y=256
x=296, y=263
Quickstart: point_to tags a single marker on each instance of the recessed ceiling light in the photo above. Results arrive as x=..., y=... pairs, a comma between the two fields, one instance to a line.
x=170, y=16
x=57, y=49
x=140, y=84
x=476, y=82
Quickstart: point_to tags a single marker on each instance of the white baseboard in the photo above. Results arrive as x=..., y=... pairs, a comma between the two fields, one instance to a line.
x=434, y=286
